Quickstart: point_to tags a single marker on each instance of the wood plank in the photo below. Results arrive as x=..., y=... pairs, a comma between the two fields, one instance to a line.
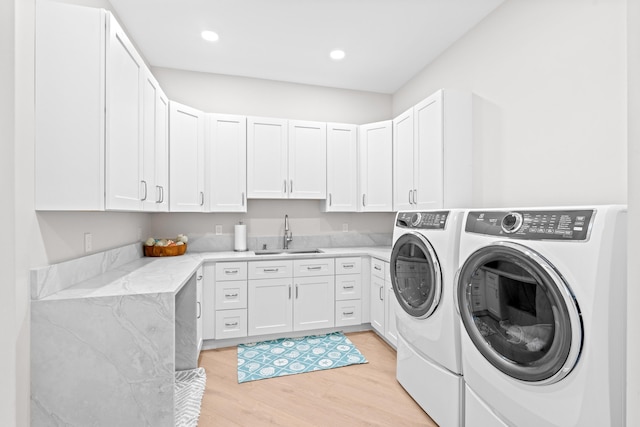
x=360, y=395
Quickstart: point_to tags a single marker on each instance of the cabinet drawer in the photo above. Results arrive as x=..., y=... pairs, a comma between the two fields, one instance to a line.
x=350, y=265
x=231, y=295
x=231, y=271
x=348, y=286
x=348, y=313
x=378, y=268
x=231, y=324
x=270, y=269
x=313, y=267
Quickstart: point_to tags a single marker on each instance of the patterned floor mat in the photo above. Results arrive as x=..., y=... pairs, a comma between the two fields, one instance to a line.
x=289, y=356
x=189, y=388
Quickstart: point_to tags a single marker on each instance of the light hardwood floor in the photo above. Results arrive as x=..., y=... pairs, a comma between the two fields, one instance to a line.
x=358, y=395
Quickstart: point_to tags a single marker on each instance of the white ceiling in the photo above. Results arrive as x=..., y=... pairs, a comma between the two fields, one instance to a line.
x=387, y=42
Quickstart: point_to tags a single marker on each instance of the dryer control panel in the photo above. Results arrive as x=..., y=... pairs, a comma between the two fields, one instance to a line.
x=532, y=225
x=433, y=220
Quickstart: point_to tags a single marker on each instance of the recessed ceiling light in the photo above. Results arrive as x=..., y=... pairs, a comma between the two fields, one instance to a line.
x=210, y=36
x=337, y=54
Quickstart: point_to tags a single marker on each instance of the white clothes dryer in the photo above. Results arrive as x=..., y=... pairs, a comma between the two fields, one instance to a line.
x=541, y=295
x=423, y=263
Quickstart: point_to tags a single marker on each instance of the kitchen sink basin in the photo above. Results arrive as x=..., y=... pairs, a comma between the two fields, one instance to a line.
x=287, y=251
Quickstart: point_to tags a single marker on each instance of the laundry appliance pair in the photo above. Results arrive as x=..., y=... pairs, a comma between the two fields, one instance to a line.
x=512, y=317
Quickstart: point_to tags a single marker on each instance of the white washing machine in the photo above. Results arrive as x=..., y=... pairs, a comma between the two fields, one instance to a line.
x=423, y=263
x=541, y=295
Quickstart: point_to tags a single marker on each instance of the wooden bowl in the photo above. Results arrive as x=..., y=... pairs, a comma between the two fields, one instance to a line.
x=165, y=250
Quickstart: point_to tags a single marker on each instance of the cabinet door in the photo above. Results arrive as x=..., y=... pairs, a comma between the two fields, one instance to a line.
x=307, y=160
x=150, y=129
x=270, y=306
x=377, y=304
x=267, y=158
x=160, y=192
x=314, y=303
x=403, y=161
x=376, y=167
x=125, y=68
x=391, y=306
x=226, y=163
x=186, y=158
x=209, y=303
x=199, y=306
x=428, y=154
x=342, y=168
x=69, y=107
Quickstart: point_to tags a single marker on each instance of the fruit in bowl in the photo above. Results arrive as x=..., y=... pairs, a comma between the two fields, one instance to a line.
x=166, y=247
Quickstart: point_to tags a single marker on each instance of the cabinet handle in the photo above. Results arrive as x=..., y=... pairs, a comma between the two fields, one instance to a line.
x=289, y=291
x=199, y=309
x=317, y=267
x=377, y=267
x=231, y=271
x=346, y=266
x=145, y=190
x=202, y=198
x=231, y=295
x=363, y=201
x=270, y=270
x=285, y=186
x=347, y=313
x=347, y=287
x=415, y=196
x=229, y=324
x=158, y=194
x=410, y=194
x=380, y=294
x=330, y=199
x=161, y=194
x=199, y=277
x=243, y=198
x=290, y=186
x=296, y=291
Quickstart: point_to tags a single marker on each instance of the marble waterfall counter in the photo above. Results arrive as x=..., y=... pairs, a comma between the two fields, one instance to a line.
x=104, y=351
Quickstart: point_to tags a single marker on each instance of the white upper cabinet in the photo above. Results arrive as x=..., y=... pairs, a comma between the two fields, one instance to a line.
x=226, y=166
x=125, y=69
x=443, y=151
x=376, y=177
x=286, y=159
x=403, y=162
x=267, y=175
x=342, y=168
x=307, y=150
x=155, y=148
x=186, y=158
x=100, y=116
x=69, y=107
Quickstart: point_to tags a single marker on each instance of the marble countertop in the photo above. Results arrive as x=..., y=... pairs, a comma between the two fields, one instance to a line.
x=169, y=274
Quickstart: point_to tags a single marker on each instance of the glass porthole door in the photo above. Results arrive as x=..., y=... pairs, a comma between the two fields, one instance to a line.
x=415, y=275
x=519, y=312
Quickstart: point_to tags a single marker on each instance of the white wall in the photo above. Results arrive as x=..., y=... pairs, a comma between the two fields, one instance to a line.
x=550, y=85
x=8, y=304
x=633, y=278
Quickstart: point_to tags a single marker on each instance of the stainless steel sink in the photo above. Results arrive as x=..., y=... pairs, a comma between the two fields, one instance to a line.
x=287, y=251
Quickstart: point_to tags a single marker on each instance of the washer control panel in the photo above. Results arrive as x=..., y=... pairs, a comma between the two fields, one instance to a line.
x=433, y=220
x=532, y=225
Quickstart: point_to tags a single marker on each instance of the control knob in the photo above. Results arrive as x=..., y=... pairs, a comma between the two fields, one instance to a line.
x=416, y=218
x=511, y=222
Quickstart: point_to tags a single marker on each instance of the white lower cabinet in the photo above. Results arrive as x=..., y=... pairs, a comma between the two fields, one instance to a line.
x=230, y=300
x=199, y=305
x=209, y=302
x=377, y=295
x=348, y=292
x=287, y=301
x=390, y=309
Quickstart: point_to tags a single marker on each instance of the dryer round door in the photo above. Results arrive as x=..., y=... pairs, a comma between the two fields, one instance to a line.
x=416, y=276
x=520, y=313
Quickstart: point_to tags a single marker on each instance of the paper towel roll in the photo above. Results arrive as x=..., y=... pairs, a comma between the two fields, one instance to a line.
x=240, y=237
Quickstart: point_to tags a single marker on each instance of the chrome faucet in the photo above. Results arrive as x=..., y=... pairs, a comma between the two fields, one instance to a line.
x=288, y=236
